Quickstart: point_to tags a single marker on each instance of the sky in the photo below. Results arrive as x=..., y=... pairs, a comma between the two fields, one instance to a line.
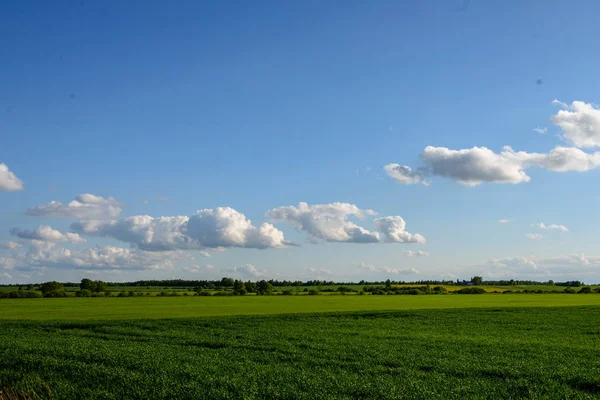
x=435, y=139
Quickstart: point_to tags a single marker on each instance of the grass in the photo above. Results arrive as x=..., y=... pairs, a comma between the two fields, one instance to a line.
x=493, y=352
x=188, y=307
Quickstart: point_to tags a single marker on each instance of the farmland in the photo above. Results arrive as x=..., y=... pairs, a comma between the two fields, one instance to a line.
x=496, y=351
x=448, y=346
x=190, y=307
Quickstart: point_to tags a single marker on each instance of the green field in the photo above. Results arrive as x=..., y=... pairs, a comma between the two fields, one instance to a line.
x=188, y=307
x=379, y=347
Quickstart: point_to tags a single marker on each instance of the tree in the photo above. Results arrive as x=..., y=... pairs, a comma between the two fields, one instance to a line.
x=99, y=287
x=52, y=286
x=87, y=284
x=226, y=282
x=388, y=284
x=239, y=288
x=263, y=287
x=251, y=287
x=477, y=280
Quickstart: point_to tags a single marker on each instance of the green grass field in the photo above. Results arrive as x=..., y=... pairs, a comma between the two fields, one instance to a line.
x=189, y=307
x=295, y=347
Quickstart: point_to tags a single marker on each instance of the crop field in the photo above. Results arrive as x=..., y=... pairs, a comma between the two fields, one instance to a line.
x=493, y=352
x=189, y=307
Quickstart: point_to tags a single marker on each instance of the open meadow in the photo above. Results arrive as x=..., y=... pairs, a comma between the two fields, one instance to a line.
x=302, y=347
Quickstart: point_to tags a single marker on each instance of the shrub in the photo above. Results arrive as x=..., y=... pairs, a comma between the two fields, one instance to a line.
x=470, y=290
x=23, y=294
x=203, y=293
x=287, y=293
x=585, y=289
x=223, y=293
x=83, y=293
x=51, y=287
x=56, y=293
x=313, y=292
x=569, y=290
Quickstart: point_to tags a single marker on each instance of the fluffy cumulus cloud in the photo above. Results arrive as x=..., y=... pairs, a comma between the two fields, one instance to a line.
x=580, y=125
x=556, y=227
x=47, y=234
x=48, y=254
x=327, y=222
x=394, y=230
x=84, y=206
x=477, y=165
x=8, y=180
x=219, y=228
x=330, y=223
x=579, y=122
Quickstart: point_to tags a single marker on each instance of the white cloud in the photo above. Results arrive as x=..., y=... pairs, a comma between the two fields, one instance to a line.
x=193, y=269
x=406, y=175
x=580, y=123
x=48, y=254
x=561, y=228
x=565, y=265
x=534, y=236
x=8, y=180
x=10, y=245
x=504, y=221
x=418, y=253
x=403, y=271
x=47, y=234
x=368, y=267
x=204, y=254
x=85, y=206
x=394, y=230
x=248, y=271
x=329, y=222
x=477, y=165
x=208, y=228
x=318, y=272
x=209, y=267
x=541, y=130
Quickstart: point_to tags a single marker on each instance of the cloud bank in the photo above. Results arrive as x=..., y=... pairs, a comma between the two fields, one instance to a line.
x=84, y=206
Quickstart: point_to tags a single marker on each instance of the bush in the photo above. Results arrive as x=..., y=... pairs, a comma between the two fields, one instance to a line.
x=440, y=290
x=83, y=293
x=23, y=294
x=223, y=293
x=287, y=293
x=203, y=293
x=56, y=293
x=470, y=290
x=313, y=292
x=585, y=289
x=569, y=290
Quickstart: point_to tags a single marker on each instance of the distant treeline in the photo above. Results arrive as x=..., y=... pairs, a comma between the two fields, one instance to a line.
x=227, y=282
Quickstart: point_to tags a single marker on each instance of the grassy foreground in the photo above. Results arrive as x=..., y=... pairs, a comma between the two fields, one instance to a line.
x=417, y=354
x=188, y=307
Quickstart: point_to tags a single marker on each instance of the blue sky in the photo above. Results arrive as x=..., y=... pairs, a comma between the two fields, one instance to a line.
x=166, y=109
